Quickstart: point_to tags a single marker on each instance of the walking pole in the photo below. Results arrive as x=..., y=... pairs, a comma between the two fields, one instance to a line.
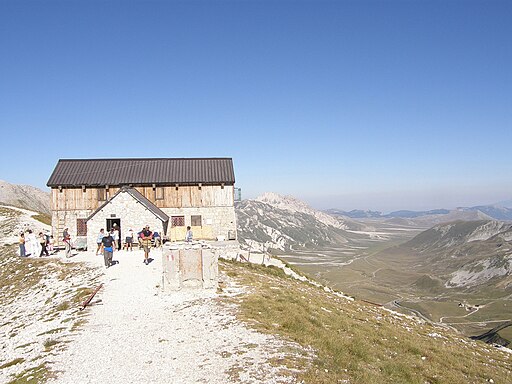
x=88, y=301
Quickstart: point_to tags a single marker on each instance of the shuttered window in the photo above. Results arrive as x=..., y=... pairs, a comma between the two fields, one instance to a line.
x=195, y=220
x=159, y=193
x=101, y=194
x=81, y=227
x=178, y=221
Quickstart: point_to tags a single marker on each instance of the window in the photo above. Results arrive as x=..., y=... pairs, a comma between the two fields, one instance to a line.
x=195, y=220
x=81, y=227
x=178, y=221
x=238, y=194
x=101, y=194
x=159, y=193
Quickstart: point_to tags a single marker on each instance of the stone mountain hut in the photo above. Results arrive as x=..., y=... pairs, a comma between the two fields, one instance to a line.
x=167, y=194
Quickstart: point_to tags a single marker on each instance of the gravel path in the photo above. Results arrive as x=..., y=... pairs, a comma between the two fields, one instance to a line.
x=137, y=334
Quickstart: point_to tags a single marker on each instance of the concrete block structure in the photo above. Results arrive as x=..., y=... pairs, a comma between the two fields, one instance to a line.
x=189, y=267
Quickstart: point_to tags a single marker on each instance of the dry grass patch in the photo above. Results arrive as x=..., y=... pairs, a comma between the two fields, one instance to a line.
x=78, y=324
x=12, y=362
x=49, y=344
x=81, y=294
x=34, y=375
x=358, y=342
x=43, y=218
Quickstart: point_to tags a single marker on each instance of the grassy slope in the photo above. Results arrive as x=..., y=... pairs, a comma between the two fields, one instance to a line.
x=43, y=218
x=357, y=342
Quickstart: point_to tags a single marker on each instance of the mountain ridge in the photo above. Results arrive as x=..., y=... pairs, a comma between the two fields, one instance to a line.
x=25, y=196
x=283, y=223
x=468, y=254
x=492, y=211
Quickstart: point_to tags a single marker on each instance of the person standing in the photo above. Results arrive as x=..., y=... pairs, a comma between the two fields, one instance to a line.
x=146, y=237
x=129, y=240
x=66, y=238
x=50, y=244
x=42, y=241
x=31, y=244
x=47, y=236
x=188, y=235
x=115, y=235
x=111, y=233
x=139, y=238
x=22, y=245
x=157, y=240
x=99, y=241
x=108, y=249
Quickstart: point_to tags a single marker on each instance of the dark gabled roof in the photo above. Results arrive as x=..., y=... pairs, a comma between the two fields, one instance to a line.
x=100, y=172
x=140, y=198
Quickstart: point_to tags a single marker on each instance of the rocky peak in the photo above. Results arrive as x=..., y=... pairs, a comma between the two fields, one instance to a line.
x=25, y=196
x=289, y=203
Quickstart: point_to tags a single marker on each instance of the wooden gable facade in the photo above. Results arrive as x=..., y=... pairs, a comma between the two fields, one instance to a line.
x=196, y=192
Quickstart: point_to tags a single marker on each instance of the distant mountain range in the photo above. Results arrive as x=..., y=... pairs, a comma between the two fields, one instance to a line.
x=360, y=214
x=262, y=226
x=505, y=203
x=495, y=212
x=25, y=196
x=467, y=253
x=283, y=222
x=354, y=214
x=463, y=249
x=443, y=259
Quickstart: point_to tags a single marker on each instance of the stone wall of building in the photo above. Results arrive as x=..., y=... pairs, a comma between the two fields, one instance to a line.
x=216, y=222
x=63, y=219
x=133, y=215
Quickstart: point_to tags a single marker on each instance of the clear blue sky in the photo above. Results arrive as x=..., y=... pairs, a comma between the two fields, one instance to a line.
x=349, y=104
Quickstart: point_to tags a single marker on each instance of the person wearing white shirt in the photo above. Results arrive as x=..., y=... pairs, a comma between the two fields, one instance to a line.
x=115, y=235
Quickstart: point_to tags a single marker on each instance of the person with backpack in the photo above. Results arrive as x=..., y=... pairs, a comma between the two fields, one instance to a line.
x=42, y=241
x=108, y=249
x=146, y=237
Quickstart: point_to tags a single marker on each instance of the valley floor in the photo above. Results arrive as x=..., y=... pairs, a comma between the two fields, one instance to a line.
x=390, y=281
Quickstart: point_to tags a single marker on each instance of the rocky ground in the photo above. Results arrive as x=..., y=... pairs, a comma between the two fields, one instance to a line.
x=132, y=332
x=39, y=298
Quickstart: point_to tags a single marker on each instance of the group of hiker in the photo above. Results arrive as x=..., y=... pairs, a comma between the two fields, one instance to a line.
x=108, y=242
x=32, y=245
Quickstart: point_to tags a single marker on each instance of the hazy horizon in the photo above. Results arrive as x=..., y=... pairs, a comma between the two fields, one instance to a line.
x=400, y=202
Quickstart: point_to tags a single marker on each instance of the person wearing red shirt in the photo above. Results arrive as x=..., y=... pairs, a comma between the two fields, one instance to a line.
x=146, y=236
